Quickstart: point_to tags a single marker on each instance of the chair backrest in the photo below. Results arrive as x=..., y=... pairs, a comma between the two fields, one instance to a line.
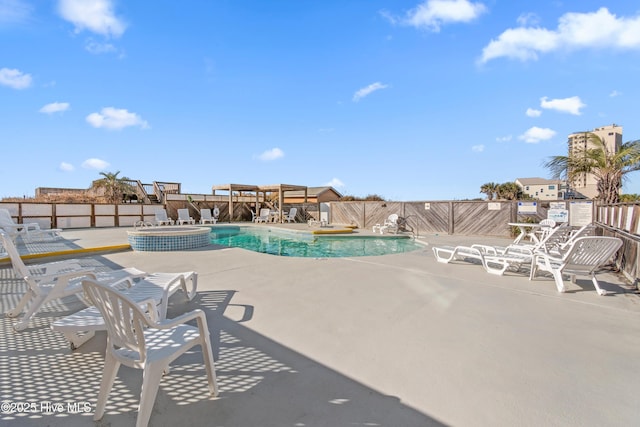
x=6, y=218
x=393, y=218
x=124, y=320
x=548, y=223
x=264, y=212
x=216, y=212
x=292, y=213
x=590, y=252
x=183, y=214
x=205, y=213
x=18, y=265
x=161, y=215
x=7, y=221
x=556, y=237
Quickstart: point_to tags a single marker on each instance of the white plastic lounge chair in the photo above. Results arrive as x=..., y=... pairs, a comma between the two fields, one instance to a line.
x=205, y=216
x=184, y=218
x=487, y=256
x=138, y=342
x=162, y=218
x=391, y=223
x=50, y=281
x=556, y=237
x=585, y=230
x=79, y=327
x=27, y=231
x=264, y=215
x=584, y=257
x=291, y=216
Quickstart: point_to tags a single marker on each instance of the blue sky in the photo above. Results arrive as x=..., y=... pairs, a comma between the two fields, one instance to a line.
x=411, y=100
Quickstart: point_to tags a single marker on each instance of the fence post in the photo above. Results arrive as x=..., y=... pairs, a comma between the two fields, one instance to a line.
x=451, y=225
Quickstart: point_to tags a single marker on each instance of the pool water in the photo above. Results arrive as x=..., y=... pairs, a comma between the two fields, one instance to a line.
x=283, y=243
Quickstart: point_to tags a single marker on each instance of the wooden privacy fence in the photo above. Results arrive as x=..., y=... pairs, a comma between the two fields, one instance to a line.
x=623, y=220
x=438, y=217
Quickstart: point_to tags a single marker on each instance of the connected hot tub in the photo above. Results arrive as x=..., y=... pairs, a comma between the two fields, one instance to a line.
x=168, y=238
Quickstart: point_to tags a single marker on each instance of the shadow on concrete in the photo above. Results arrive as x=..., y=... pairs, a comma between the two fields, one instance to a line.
x=262, y=383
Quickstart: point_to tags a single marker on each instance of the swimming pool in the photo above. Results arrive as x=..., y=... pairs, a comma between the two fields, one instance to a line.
x=296, y=244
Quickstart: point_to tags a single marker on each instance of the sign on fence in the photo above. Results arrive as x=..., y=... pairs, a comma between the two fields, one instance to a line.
x=580, y=213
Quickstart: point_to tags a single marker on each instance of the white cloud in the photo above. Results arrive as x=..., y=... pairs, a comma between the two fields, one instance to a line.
x=14, y=11
x=335, y=182
x=273, y=154
x=15, y=79
x=570, y=105
x=599, y=29
x=66, y=167
x=365, y=91
x=98, y=48
x=113, y=118
x=531, y=112
x=615, y=93
x=536, y=134
x=478, y=148
x=528, y=19
x=55, y=107
x=95, y=164
x=506, y=138
x=96, y=16
x=432, y=14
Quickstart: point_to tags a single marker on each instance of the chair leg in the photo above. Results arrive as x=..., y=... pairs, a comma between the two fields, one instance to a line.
x=111, y=366
x=207, y=355
x=597, y=285
x=151, y=377
x=14, y=312
x=557, y=275
x=534, y=269
x=33, y=307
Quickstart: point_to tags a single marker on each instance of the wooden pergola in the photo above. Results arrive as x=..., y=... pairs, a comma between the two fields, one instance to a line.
x=257, y=189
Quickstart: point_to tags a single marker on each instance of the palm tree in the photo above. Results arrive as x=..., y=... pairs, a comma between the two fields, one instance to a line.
x=508, y=191
x=490, y=189
x=114, y=187
x=609, y=168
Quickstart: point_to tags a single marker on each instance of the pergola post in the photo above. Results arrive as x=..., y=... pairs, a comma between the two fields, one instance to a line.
x=280, y=203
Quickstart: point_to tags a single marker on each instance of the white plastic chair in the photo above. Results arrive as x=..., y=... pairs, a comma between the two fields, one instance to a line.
x=545, y=227
x=584, y=257
x=291, y=216
x=391, y=223
x=264, y=215
x=26, y=230
x=53, y=280
x=136, y=341
x=184, y=218
x=162, y=218
x=81, y=326
x=205, y=216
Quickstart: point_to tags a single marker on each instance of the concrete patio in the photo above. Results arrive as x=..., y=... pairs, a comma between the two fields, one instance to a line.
x=395, y=340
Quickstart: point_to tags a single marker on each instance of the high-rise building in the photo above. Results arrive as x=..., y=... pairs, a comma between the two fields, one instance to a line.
x=586, y=184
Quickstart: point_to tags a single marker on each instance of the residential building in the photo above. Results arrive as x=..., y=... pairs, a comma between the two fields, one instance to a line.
x=586, y=184
x=541, y=188
x=314, y=195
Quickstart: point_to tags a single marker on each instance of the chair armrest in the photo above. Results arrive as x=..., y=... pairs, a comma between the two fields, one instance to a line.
x=183, y=318
x=62, y=277
x=59, y=267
